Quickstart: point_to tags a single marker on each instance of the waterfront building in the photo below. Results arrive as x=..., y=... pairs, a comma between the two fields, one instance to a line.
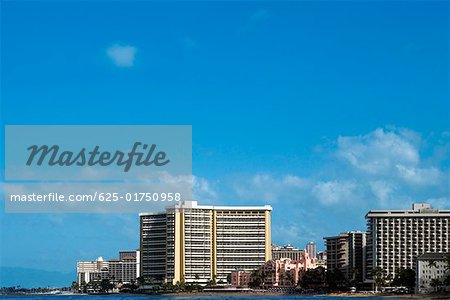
x=281, y=272
x=125, y=269
x=311, y=248
x=241, y=278
x=284, y=272
x=154, y=244
x=91, y=270
x=396, y=238
x=346, y=253
x=288, y=251
x=198, y=244
x=307, y=262
x=321, y=259
x=432, y=266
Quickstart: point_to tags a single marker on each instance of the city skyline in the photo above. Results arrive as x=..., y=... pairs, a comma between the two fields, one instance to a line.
x=189, y=243
x=322, y=110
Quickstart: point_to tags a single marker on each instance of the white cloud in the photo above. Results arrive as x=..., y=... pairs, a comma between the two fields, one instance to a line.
x=335, y=191
x=386, y=170
x=378, y=152
x=202, y=189
x=390, y=154
x=294, y=233
x=420, y=176
x=122, y=55
x=271, y=189
x=382, y=190
x=439, y=203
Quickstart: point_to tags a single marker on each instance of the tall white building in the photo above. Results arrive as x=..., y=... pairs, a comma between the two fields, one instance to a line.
x=195, y=243
x=311, y=248
x=395, y=238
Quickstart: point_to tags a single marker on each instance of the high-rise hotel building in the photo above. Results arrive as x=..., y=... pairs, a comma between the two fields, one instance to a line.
x=195, y=243
x=311, y=248
x=346, y=253
x=395, y=238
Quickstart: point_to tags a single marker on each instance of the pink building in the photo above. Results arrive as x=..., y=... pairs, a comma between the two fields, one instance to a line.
x=308, y=262
x=240, y=278
x=285, y=272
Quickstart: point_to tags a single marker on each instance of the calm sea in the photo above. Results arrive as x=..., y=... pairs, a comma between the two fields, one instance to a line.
x=231, y=297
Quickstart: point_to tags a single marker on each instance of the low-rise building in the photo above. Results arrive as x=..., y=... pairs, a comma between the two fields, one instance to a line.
x=321, y=260
x=288, y=251
x=284, y=272
x=125, y=269
x=91, y=270
x=280, y=273
x=241, y=278
x=432, y=273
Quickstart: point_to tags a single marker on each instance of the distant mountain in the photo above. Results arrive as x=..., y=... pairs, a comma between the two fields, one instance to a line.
x=29, y=278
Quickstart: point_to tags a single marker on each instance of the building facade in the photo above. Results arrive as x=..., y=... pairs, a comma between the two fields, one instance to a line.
x=154, y=244
x=311, y=248
x=241, y=278
x=432, y=266
x=126, y=269
x=194, y=243
x=91, y=270
x=281, y=272
x=321, y=259
x=396, y=238
x=284, y=272
x=288, y=251
x=346, y=253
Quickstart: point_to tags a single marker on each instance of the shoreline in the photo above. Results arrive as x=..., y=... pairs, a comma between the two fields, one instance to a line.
x=253, y=294
x=277, y=294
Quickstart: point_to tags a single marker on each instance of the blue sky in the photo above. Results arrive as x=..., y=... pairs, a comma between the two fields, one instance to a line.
x=322, y=109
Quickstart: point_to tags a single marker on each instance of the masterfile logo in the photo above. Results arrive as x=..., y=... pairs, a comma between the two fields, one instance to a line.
x=97, y=168
x=84, y=153
x=54, y=157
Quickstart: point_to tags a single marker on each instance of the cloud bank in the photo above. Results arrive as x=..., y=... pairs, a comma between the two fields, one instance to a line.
x=385, y=168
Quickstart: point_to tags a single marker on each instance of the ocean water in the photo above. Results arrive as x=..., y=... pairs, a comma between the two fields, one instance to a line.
x=196, y=297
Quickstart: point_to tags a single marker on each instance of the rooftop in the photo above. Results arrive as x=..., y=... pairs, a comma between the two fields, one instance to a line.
x=194, y=204
x=418, y=210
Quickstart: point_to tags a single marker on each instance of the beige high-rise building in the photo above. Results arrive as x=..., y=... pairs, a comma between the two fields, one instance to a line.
x=346, y=253
x=395, y=238
x=196, y=243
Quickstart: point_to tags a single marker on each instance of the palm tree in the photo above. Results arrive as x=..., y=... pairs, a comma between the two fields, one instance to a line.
x=140, y=280
x=378, y=274
x=74, y=286
x=447, y=262
x=435, y=283
x=432, y=263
